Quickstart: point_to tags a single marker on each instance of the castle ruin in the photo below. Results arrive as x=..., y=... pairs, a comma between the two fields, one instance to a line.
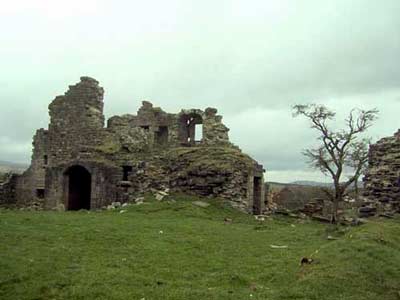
x=78, y=163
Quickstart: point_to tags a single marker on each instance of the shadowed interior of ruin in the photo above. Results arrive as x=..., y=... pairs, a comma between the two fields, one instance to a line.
x=79, y=188
x=161, y=136
x=257, y=195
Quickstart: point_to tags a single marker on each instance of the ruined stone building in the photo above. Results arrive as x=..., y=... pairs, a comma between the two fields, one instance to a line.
x=79, y=163
x=382, y=180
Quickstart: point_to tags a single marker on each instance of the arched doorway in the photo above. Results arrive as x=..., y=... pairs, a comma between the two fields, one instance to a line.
x=78, y=184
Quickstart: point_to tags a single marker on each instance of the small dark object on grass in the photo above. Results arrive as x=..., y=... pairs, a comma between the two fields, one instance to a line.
x=227, y=220
x=306, y=261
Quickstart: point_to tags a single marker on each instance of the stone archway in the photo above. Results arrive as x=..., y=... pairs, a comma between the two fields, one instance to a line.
x=78, y=185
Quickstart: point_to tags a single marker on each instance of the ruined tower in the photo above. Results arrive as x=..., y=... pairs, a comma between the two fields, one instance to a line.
x=76, y=121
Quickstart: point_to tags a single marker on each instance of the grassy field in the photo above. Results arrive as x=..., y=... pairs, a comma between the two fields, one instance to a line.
x=181, y=251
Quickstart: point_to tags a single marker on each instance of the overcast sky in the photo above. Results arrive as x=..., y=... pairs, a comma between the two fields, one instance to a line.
x=250, y=59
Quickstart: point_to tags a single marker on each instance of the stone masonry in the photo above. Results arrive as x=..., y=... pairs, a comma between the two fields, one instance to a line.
x=382, y=180
x=7, y=188
x=79, y=163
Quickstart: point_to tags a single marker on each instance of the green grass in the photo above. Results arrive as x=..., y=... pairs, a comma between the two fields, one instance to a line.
x=109, y=255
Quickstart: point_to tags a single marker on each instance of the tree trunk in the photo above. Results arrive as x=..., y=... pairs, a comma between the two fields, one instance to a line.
x=356, y=190
x=335, y=211
x=336, y=201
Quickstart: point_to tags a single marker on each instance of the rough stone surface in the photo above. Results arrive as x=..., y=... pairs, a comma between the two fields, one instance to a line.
x=382, y=180
x=7, y=189
x=78, y=163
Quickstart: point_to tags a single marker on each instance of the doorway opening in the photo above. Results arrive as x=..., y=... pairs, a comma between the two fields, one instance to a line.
x=161, y=136
x=78, y=188
x=126, y=171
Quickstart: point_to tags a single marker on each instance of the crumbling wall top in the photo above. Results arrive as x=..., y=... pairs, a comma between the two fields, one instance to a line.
x=81, y=106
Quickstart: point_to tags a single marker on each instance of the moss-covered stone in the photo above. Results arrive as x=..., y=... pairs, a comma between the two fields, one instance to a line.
x=110, y=145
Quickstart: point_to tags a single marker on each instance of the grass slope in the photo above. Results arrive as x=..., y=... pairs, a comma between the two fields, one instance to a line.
x=181, y=251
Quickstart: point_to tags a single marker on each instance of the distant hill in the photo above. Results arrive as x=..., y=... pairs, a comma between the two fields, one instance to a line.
x=312, y=183
x=303, y=183
x=299, y=183
x=6, y=166
x=298, y=187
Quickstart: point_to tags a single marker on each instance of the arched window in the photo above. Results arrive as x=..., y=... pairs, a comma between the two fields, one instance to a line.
x=190, y=129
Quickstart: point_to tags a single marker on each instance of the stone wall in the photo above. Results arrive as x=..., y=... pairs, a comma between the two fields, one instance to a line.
x=159, y=129
x=223, y=172
x=382, y=180
x=214, y=131
x=76, y=122
x=105, y=180
x=7, y=189
x=30, y=186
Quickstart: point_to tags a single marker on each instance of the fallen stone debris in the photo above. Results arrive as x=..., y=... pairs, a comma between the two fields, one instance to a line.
x=278, y=247
x=201, y=204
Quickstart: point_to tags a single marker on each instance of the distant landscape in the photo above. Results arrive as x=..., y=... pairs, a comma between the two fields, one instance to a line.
x=300, y=183
x=309, y=183
x=6, y=166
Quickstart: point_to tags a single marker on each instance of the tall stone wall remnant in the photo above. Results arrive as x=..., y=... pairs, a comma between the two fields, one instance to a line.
x=382, y=180
x=78, y=163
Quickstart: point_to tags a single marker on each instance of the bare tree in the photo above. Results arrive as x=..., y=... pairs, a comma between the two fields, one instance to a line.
x=340, y=151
